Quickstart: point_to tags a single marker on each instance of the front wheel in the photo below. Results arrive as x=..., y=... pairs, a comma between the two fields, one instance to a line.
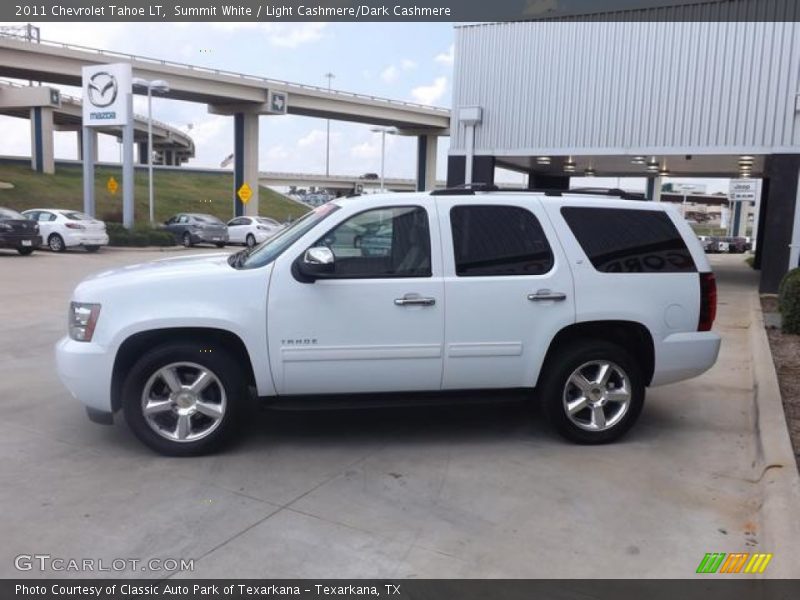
x=592, y=392
x=251, y=240
x=184, y=399
x=187, y=240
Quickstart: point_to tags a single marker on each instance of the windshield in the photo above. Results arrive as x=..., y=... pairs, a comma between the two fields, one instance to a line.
x=7, y=213
x=275, y=246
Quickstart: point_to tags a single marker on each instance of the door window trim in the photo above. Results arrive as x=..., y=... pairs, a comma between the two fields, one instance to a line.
x=429, y=275
x=514, y=206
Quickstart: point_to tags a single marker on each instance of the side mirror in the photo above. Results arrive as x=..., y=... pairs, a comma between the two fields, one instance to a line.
x=316, y=263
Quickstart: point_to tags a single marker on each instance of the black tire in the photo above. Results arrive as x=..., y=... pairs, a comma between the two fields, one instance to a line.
x=555, y=388
x=25, y=251
x=187, y=240
x=92, y=248
x=56, y=243
x=229, y=377
x=250, y=240
x=220, y=244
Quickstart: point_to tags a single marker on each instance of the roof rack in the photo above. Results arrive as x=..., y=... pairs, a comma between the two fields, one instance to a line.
x=470, y=189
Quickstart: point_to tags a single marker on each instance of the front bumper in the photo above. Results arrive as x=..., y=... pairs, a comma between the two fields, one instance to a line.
x=86, y=239
x=685, y=355
x=16, y=240
x=85, y=371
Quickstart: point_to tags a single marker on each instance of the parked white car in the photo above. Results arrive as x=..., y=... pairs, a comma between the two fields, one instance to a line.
x=61, y=229
x=579, y=300
x=252, y=230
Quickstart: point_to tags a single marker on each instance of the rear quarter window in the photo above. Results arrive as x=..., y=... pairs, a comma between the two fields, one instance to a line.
x=620, y=240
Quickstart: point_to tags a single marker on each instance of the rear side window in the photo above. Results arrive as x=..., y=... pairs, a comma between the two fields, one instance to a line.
x=620, y=240
x=498, y=240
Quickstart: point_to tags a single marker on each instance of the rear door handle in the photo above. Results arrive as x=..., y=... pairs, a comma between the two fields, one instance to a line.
x=414, y=300
x=547, y=295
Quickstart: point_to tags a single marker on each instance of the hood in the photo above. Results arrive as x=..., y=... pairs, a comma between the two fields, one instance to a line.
x=157, y=274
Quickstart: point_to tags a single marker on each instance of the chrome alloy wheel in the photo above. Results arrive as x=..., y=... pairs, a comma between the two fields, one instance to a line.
x=597, y=395
x=183, y=402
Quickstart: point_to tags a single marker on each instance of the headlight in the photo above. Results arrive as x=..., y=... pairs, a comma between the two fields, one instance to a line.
x=82, y=320
x=5, y=227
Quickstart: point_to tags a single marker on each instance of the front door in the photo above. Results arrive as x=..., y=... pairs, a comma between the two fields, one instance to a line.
x=509, y=290
x=377, y=324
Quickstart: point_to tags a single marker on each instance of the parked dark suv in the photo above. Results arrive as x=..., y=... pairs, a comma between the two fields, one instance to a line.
x=192, y=228
x=18, y=233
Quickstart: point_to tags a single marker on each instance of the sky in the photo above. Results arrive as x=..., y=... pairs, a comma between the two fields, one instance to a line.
x=401, y=61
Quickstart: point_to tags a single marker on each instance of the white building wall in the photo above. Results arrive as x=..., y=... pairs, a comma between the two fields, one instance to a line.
x=559, y=88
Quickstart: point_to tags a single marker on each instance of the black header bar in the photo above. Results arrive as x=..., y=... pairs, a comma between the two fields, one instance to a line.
x=457, y=11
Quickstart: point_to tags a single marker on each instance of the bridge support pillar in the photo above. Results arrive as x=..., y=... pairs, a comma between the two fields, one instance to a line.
x=426, y=162
x=79, y=135
x=142, y=149
x=42, y=157
x=245, y=161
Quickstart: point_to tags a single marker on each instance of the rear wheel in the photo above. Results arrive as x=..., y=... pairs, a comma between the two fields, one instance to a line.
x=56, y=243
x=592, y=392
x=187, y=240
x=220, y=244
x=184, y=399
x=92, y=248
x=25, y=251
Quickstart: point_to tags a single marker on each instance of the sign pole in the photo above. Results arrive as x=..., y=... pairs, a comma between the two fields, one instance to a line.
x=127, y=168
x=88, y=171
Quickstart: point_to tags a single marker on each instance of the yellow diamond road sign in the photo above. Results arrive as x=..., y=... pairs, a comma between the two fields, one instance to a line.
x=245, y=193
x=112, y=185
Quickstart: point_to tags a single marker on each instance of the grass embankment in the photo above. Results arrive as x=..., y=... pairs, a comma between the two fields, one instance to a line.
x=175, y=191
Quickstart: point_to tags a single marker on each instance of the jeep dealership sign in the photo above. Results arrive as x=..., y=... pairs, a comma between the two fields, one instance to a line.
x=105, y=94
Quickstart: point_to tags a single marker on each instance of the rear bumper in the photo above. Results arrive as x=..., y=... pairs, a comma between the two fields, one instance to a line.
x=84, y=369
x=209, y=238
x=685, y=355
x=86, y=239
x=15, y=240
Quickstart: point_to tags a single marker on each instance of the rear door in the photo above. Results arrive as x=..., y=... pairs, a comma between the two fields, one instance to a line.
x=509, y=290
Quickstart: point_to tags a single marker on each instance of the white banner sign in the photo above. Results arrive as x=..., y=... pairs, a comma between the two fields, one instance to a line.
x=105, y=94
x=743, y=190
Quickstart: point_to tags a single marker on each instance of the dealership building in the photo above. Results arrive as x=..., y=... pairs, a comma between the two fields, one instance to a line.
x=706, y=89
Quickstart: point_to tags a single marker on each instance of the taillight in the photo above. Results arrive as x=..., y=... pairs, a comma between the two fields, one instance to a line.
x=708, y=301
x=74, y=226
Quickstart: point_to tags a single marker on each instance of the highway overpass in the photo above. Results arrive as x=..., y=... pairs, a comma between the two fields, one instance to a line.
x=244, y=97
x=338, y=183
x=50, y=110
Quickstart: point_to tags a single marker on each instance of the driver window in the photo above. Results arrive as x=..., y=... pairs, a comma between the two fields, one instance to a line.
x=379, y=243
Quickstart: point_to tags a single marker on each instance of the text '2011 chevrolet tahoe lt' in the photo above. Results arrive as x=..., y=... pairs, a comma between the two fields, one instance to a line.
x=580, y=301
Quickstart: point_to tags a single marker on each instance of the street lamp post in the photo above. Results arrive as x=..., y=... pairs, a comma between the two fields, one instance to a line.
x=329, y=76
x=383, y=131
x=161, y=86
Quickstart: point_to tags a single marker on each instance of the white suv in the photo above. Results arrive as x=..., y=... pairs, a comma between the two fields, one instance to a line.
x=581, y=299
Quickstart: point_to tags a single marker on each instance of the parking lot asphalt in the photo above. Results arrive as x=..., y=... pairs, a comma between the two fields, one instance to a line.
x=477, y=491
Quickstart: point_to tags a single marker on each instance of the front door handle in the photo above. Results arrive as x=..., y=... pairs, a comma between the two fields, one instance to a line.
x=414, y=300
x=547, y=295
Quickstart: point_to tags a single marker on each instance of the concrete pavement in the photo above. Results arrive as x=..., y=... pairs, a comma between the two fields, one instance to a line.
x=476, y=491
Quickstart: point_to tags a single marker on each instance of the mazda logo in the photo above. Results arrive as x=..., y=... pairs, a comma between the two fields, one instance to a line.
x=102, y=89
